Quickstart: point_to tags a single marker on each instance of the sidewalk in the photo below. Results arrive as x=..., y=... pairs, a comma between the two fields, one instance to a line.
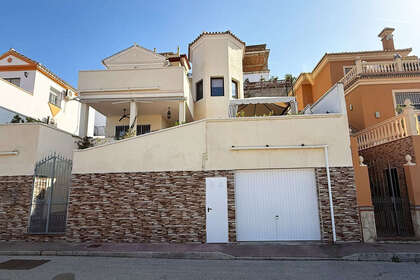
x=236, y=251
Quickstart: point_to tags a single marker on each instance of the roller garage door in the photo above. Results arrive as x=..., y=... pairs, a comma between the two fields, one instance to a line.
x=278, y=204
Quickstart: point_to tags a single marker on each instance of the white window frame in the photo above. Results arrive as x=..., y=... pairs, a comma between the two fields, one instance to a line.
x=347, y=67
x=394, y=91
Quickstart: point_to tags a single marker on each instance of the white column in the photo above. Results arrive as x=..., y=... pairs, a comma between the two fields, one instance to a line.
x=410, y=118
x=83, y=119
x=133, y=116
x=359, y=67
x=181, y=112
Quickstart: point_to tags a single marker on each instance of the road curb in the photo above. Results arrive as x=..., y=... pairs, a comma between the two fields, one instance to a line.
x=378, y=257
x=385, y=257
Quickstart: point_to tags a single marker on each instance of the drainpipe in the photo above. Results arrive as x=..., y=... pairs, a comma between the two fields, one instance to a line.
x=327, y=167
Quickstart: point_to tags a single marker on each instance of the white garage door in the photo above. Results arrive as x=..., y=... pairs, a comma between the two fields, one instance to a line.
x=276, y=204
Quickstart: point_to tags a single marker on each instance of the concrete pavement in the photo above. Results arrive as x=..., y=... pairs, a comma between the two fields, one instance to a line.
x=93, y=268
x=238, y=251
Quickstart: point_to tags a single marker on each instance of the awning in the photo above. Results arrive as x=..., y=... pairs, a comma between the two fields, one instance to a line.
x=260, y=106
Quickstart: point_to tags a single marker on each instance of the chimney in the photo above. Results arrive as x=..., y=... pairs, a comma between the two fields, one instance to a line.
x=387, y=39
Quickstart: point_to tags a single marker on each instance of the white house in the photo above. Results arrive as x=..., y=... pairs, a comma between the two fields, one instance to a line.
x=29, y=89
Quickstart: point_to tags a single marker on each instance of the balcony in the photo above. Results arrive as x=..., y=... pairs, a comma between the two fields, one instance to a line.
x=364, y=69
x=401, y=126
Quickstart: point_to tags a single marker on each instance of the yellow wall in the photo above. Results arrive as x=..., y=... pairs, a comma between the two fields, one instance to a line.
x=321, y=82
x=206, y=145
x=367, y=99
x=156, y=122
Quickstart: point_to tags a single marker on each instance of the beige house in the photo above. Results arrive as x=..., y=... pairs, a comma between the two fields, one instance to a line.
x=209, y=166
x=148, y=91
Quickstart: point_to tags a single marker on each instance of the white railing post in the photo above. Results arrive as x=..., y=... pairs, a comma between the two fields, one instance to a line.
x=410, y=118
x=398, y=62
x=359, y=67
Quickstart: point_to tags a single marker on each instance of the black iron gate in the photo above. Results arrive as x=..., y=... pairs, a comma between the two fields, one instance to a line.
x=390, y=199
x=50, y=191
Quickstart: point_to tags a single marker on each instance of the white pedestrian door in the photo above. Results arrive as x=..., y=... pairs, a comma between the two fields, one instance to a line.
x=278, y=204
x=216, y=210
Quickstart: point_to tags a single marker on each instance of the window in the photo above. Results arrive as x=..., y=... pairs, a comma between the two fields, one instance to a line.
x=15, y=81
x=143, y=129
x=217, y=87
x=234, y=89
x=199, y=90
x=55, y=97
x=414, y=97
x=347, y=69
x=121, y=130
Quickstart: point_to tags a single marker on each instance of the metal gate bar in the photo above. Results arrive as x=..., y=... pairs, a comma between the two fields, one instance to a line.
x=52, y=180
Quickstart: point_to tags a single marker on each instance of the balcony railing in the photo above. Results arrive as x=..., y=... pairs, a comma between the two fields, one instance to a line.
x=398, y=127
x=365, y=68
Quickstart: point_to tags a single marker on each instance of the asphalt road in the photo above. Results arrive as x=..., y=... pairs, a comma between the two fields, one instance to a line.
x=143, y=269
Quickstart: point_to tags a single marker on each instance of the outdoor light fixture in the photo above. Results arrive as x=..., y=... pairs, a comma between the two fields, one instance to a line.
x=26, y=74
x=168, y=115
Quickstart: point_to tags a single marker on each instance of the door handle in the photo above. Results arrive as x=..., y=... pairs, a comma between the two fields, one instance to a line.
x=208, y=209
x=276, y=217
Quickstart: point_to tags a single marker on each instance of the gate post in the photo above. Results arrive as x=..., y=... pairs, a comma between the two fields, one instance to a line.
x=364, y=197
x=412, y=177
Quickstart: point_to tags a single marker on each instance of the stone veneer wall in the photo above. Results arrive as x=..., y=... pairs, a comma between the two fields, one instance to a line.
x=346, y=213
x=394, y=151
x=143, y=207
x=158, y=207
x=15, y=202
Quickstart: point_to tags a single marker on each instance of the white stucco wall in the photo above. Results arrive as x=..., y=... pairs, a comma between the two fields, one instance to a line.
x=206, y=145
x=27, y=83
x=32, y=142
x=35, y=103
x=157, y=80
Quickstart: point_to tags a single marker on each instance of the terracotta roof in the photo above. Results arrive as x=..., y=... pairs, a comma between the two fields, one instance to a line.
x=38, y=64
x=213, y=34
x=369, y=52
x=360, y=53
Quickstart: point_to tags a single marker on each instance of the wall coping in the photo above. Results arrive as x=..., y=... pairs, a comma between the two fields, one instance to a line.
x=241, y=119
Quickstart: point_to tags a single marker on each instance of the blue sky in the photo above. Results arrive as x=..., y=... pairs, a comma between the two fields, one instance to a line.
x=68, y=36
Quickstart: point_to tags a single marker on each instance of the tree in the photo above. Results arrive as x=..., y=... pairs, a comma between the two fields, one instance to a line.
x=84, y=143
x=17, y=119
x=290, y=80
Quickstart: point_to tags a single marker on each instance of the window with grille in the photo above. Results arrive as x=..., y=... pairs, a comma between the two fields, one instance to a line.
x=55, y=97
x=15, y=81
x=121, y=130
x=414, y=97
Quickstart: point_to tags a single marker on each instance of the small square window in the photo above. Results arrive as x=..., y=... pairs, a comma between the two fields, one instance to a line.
x=347, y=69
x=199, y=90
x=217, y=87
x=234, y=89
